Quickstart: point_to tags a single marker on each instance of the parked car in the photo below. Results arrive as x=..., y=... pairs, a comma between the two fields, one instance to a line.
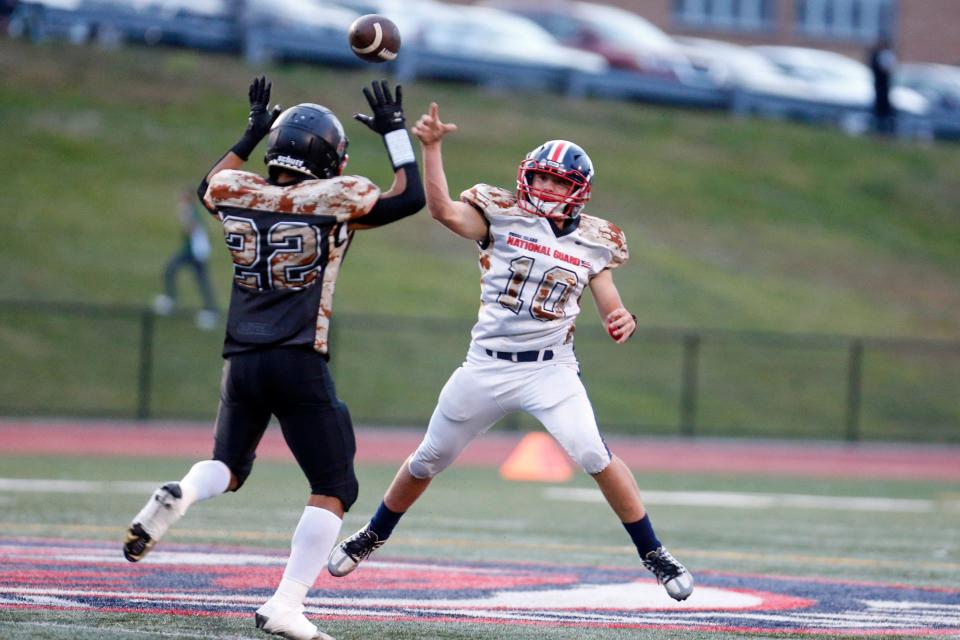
x=625, y=39
x=408, y=15
x=198, y=24
x=484, y=33
x=938, y=83
x=737, y=68
x=304, y=30
x=837, y=79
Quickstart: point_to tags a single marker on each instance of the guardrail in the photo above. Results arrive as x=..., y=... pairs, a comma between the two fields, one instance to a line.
x=123, y=361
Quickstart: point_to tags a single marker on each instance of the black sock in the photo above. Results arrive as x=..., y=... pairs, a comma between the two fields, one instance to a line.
x=383, y=521
x=641, y=532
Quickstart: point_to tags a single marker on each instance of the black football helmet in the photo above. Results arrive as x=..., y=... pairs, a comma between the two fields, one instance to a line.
x=562, y=159
x=309, y=139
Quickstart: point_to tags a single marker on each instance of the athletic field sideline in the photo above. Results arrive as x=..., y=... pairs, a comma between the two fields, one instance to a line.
x=388, y=445
x=786, y=540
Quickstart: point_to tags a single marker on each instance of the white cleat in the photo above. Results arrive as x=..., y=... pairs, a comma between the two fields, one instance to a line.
x=670, y=573
x=162, y=510
x=163, y=305
x=287, y=621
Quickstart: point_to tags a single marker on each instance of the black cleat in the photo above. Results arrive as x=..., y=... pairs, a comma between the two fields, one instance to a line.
x=670, y=573
x=345, y=557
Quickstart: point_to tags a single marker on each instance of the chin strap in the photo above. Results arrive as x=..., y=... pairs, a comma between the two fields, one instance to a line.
x=546, y=208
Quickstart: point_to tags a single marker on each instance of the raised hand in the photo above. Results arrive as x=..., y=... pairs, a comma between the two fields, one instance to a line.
x=260, y=120
x=387, y=110
x=429, y=129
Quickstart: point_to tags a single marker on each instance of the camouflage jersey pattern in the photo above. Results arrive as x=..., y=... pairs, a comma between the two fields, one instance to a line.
x=287, y=244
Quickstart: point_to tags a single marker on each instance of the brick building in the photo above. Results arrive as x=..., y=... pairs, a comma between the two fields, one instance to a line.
x=922, y=30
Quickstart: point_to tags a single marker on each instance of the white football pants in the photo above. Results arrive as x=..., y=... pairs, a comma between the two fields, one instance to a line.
x=485, y=389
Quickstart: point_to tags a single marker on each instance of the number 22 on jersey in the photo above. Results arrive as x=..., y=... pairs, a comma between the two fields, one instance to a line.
x=294, y=253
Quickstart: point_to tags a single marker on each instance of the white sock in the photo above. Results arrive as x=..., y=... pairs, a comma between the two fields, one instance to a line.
x=206, y=479
x=311, y=544
x=291, y=592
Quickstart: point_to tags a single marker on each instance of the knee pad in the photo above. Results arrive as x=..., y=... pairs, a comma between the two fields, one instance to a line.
x=426, y=463
x=593, y=461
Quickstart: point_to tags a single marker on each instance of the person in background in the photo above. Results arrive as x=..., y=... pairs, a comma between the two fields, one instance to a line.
x=194, y=252
x=883, y=62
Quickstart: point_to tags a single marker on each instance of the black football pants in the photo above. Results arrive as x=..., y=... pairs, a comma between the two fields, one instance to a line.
x=293, y=384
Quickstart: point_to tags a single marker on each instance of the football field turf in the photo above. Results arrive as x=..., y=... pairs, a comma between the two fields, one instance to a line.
x=481, y=557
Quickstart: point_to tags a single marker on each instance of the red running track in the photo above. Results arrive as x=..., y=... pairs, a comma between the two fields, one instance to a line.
x=765, y=457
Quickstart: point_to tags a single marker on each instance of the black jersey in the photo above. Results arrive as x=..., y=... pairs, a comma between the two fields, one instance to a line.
x=287, y=244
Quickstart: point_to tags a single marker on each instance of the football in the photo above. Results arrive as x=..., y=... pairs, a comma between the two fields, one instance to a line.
x=374, y=38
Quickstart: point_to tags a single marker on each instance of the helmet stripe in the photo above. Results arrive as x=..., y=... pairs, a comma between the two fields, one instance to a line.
x=558, y=150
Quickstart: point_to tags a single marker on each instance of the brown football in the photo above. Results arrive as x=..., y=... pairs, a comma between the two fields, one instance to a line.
x=374, y=38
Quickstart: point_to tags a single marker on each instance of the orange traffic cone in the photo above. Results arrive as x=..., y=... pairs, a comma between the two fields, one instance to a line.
x=538, y=458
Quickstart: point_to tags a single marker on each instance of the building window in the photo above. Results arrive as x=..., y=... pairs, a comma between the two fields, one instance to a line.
x=734, y=15
x=861, y=20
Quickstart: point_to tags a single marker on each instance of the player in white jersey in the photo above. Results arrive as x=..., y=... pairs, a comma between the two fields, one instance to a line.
x=538, y=252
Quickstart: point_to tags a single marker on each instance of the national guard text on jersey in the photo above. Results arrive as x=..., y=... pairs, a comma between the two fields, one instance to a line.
x=533, y=276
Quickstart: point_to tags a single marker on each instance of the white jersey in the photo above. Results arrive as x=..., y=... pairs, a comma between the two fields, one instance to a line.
x=532, y=276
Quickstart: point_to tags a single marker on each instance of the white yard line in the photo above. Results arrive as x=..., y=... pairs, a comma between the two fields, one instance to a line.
x=125, y=632
x=37, y=485
x=741, y=500
x=727, y=499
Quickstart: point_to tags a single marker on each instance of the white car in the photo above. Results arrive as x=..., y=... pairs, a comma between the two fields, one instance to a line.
x=627, y=40
x=837, y=79
x=487, y=34
x=733, y=67
x=939, y=83
x=408, y=15
x=301, y=14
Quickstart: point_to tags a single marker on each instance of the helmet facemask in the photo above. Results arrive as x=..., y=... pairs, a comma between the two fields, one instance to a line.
x=563, y=161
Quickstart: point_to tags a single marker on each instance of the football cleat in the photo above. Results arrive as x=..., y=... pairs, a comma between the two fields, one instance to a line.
x=670, y=573
x=287, y=621
x=206, y=319
x=161, y=511
x=351, y=551
x=163, y=305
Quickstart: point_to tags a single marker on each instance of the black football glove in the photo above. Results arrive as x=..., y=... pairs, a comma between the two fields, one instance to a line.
x=387, y=110
x=260, y=120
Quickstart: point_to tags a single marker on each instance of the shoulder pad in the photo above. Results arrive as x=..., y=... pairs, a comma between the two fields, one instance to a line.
x=343, y=197
x=608, y=235
x=491, y=200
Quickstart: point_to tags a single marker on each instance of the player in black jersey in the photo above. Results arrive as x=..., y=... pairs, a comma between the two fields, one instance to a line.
x=288, y=234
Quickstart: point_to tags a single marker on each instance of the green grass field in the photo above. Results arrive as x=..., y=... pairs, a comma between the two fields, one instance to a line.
x=470, y=514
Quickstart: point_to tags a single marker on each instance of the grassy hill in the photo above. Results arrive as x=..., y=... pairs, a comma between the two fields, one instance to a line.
x=732, y=224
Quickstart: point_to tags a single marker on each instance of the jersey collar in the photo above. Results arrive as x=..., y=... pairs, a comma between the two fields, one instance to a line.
x=569, y=226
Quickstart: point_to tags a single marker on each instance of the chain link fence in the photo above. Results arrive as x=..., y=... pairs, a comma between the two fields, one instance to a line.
x=122, y=361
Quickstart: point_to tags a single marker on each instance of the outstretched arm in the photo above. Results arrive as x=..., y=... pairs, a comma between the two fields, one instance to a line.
x=405, y=196
x=459, y=217
x=258, y=125
x=619, y=322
